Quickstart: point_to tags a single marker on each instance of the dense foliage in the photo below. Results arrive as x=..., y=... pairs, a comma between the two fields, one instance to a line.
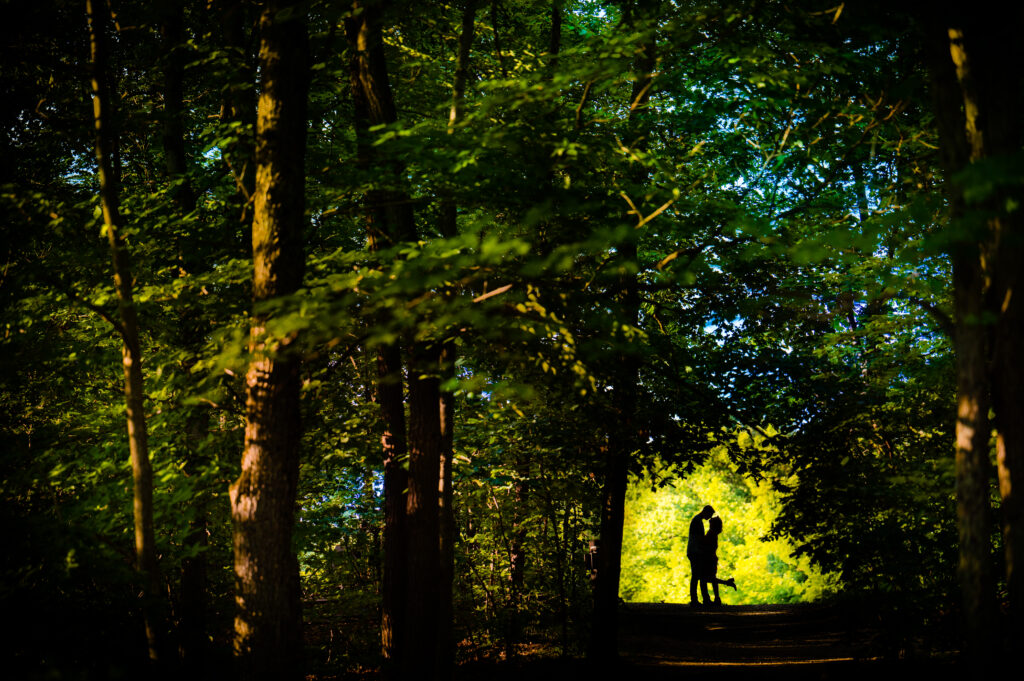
x=774, y=207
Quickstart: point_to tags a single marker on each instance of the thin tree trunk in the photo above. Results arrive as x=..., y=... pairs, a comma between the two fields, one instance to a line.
x=564, y=554
x=604, y=636
x=268, y=619
x=131, y=354
x=446, y=518
x=389, y=221
x=449, y=355
x=517, y=554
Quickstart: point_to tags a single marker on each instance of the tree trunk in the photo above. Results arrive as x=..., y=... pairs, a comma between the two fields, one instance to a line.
x=389, y=220
x=131, y=354
x=622, y=437
x=420, y=656
x=555, y=35
x=391, y=216
x=957, y=109
x=517, y=554
x=449, y=354
x=973, y=471
x=268, y=617
x=990, y=63
x=396, y=480
x=446, y=519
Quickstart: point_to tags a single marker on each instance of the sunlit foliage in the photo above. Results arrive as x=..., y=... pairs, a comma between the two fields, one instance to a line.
x=655, y=567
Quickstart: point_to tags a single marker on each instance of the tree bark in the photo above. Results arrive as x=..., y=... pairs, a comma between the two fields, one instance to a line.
x=622, y=437
x=446, y=403
x=268, y=619
x=446, y=518
x=389, y=221
x=990, y=63
x=131, y=353
x=517, y=553
x=422, y=603
x=555, y=36
x=391, y=216
x=960, y=109
x=396, y=480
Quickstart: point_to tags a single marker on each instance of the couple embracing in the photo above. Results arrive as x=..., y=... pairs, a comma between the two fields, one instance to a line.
x=702, y=550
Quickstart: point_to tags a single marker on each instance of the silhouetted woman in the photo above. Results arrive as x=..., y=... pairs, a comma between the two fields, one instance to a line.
x=710, y=557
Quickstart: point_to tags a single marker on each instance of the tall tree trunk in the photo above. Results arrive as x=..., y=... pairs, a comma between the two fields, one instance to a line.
x=268, y=617
x=990, y=67
x=988, y=59
x=396, y=480
x=449, y=355
x=958, y=73
x=446, y=518
x=389, y=221
x=131, y=354
x=973, y=471
x=517, y=553
x=622, y=440
x=422, y=602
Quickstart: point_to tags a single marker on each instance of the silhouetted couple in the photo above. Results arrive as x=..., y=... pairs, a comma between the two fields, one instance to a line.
x=702, y=550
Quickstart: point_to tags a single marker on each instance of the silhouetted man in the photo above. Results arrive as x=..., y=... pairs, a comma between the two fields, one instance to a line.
x=695, y=552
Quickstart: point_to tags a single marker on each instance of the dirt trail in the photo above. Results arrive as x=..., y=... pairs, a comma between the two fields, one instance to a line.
x=762, y=642
x=773, y=641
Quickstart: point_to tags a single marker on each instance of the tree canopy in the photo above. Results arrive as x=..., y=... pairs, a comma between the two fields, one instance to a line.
x=439, y=321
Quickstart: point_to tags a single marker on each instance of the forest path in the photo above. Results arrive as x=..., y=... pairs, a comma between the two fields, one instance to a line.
x=765, y=642
x=661, y=640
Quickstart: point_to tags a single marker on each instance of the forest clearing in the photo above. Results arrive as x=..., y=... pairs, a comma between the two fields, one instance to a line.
x=381, y=339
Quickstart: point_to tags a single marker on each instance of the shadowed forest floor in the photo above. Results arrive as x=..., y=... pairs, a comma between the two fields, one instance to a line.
x=656, y=641
x=670, y=641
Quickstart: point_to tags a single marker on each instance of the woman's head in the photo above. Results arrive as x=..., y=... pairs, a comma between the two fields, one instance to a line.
x=715, y=525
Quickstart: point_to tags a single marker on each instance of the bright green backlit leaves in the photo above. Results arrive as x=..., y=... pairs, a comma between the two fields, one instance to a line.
x=655, y=567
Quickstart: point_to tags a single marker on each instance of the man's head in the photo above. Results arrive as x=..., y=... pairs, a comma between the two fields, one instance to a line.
x=707, y=512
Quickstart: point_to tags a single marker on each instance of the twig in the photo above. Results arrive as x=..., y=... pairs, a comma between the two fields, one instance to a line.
x=583, y=102
x=497, y=291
